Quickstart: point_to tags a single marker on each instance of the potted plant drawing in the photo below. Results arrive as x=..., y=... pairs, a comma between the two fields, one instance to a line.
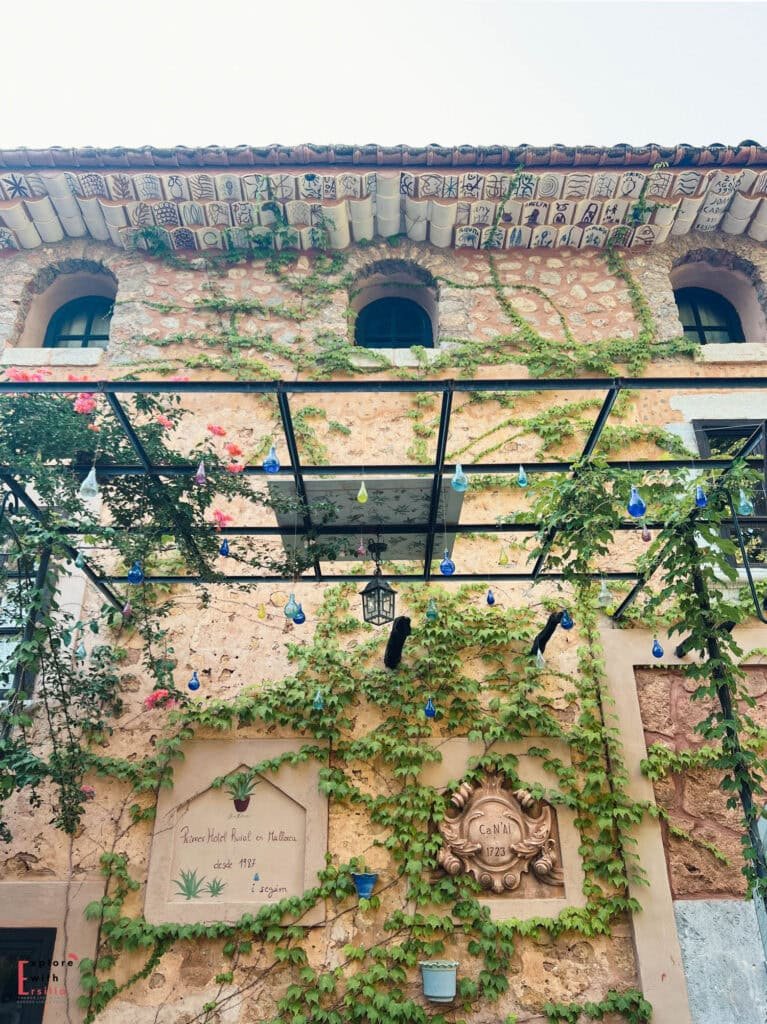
x=240, y=786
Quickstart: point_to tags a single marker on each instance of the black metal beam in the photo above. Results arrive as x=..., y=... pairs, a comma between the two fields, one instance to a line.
x=748, y=446
x=588, y=450
x=146, y=462
x=295, y=465
x=436, y=482
x=492, y=577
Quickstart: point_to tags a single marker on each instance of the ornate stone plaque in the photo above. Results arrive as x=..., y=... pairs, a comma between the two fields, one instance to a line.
x=498, y=836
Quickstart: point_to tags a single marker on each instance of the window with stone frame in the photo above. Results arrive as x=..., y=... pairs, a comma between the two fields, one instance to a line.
x=708, y=317
x=726, y=437
x=81, y=323
x=393, y=323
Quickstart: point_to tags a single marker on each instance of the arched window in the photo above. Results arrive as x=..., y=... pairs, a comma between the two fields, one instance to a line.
x=708, y=316
x=81, y=323
x=393, y=323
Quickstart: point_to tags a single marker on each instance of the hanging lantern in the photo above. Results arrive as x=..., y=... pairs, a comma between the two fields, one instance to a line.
x=378, y=597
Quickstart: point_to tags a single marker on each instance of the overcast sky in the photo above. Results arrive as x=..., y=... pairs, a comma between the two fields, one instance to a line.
x=166, y=72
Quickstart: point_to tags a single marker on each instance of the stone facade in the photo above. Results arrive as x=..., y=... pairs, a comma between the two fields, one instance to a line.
x=171, y=319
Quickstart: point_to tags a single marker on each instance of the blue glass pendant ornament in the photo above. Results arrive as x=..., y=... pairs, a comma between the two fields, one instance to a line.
x=490, y=598
x=636, y=507
x=318, y=704
x=299, y=618
x=80, y=561
x=447, y=565
x=522, y=477
x=700, y=497
x=432, y=612
x=194, y=682
x=745, y=505
x=566, y=622
x=459, y=481
x=291, y=608
x=80, y=652
x=271, y=463
x=657, y=650
x=429, y=710
x=136, y=573
x=224, y=549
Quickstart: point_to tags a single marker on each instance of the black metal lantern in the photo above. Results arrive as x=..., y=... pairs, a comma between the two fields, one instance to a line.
x=378, y=597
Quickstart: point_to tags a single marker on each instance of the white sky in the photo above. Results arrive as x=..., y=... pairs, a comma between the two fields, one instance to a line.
x=168, y=72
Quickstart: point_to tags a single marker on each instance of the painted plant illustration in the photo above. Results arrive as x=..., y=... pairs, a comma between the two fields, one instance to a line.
x=191, y=887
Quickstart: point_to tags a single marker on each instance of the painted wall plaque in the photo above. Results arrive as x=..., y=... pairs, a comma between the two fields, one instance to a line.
x=506, y=839
x=214, y=858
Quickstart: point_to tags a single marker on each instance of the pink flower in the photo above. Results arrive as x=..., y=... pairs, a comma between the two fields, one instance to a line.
x=94, y=427
x=235, y=467
x=221, y=518
x=164, y=421
x=233, y=449
x=88, y=792
x=84, y=403
x=17, y=374
x=161, y=698
x=76, y=376
x=179, y=377
x=216, y=431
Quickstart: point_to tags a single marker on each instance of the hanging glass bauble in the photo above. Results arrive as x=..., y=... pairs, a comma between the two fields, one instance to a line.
x=136, y=573
x=503, y=558
x=566, y=622
x=194, y=682
x=271, y=463
x=361, y=550
x=200, y=477
x=432, y=613
x=490, y=597
x=459, y=481
x=605, y=598
x=522, y=477
x=636, y=507
x=646, y=535
x=657, y=650
x=745, y=505
x=80, y=651
x=80, y=561
x=291, y=607
x=700, y=497
x=127, y=610
x=224, y=549
x=299, y=618
x=540, y=661
x=318, y=704
x=89, y=488
x=429, y=710
x=362, y=493
x=447, y=565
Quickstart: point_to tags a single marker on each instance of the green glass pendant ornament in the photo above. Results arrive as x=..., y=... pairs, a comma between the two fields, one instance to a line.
x=605, y=598
x=318, y=704
x=432, y=613
x=522, y=477
x=291, y=608
x=80, y=652
x=80, y=561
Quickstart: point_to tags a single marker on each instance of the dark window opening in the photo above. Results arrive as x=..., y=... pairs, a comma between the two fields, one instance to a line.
x=726, y=438
x=708, y=316
x=81, y=323
x=26, y=972
x=393, y=323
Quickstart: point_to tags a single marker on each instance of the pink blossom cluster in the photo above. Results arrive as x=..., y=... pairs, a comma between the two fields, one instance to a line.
x=160, y=698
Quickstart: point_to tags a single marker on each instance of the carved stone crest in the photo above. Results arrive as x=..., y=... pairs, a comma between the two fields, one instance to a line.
x=497, y=835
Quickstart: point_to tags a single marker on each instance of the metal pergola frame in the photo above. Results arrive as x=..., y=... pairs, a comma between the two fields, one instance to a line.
x=438, y=470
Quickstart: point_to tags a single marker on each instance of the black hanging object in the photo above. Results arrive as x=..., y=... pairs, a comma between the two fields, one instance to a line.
x=400, y=631
x=539, y=644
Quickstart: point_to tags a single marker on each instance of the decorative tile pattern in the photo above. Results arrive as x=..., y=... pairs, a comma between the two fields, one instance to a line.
x=478, y=207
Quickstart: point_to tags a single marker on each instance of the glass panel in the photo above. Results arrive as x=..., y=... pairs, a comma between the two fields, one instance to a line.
x=685, y=313
x=74, y=324
x=101, y=324
x=711, y=313
x=717, y=337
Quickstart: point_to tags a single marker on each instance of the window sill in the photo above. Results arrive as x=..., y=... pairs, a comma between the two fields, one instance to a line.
x=53, y=356
x=401, y=356
x=734, y=352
